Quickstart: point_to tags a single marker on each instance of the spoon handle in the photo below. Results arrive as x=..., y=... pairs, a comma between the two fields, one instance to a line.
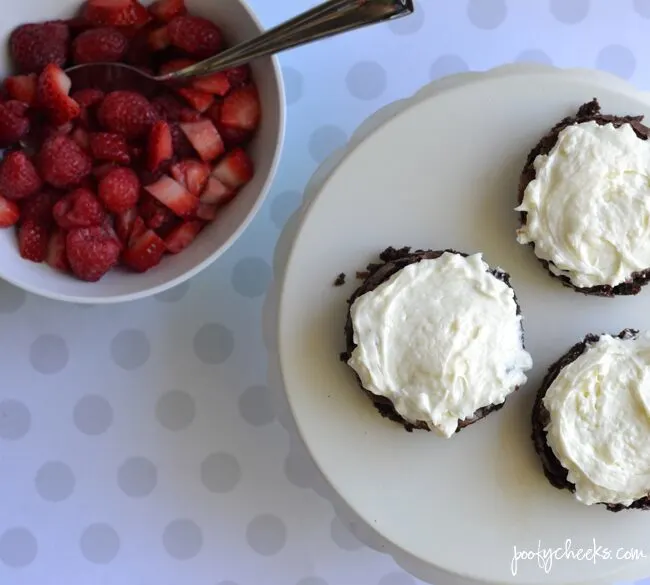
x=325, y=20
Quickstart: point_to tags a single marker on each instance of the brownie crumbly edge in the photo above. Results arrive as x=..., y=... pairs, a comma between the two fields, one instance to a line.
x=392, y=261
x=553, y=469
x=589, y=112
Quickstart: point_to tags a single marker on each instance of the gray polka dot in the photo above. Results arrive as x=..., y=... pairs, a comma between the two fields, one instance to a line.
x=266, y=534
x=182, y=539
x=49, y=354
x=312, y=581
x=220, y=472
x=569, y=11
x=342, y=537
x=397, y=578
x=99, y=543
x=618, y=60
x=93, y=415
x=447, y=65
x=293, y=84
x=18, y=547
x=300, y=469
x=408, y=25
x=175, y=410
x=251, y=277
x=227, y=583
x=283, y=207
x=11, y=298
x=130, y=349
x=487, y=14
x=642, y=7
x=255, y=406
x=214, y=344
x=137, y=477
x=175, y=294
x=534, y=56
x=325, y=140
x=55, y=481
x=15, y=420
x=366, y=80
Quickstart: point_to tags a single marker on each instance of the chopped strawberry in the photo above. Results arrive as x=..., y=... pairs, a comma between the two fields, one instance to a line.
x=137, y=229
x=81, y=137
x=128, y=113
x=199, y=100
x=33, y=239
x=182, y=236
x=234, y=136
x=204, y=138
x=192, y=174
x=145, y=252
x=79, y=208
x=235, y=169
x=154, y=213
x=57, y=256
x=99, y=45
x=88, y=97
x=197, y=36
x=9, y=212
x=190, y=115
x=92, y=252
x=106, y=146
x=13, y=127
x=22, y=88
x=62, y=163
x=113, y=12
x=175, y=65
x=159, y=39
x=207, y=212
x=216, y=84
x=174, y=196
x=18, y=176
x=40, y=207
x=238, y=75
x=33, y=46
x=167, y=107
x=53, y=88
x=182, y=146
x=241, y=108
x=124, y=224
x=216, y=193
x=161, y=148
x=167, y=10
x=119, y=190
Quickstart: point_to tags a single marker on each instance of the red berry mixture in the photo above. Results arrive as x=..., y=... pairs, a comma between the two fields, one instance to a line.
x=92, y=180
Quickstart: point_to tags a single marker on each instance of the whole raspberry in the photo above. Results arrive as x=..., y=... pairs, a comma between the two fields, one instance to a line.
x=62, y=163
x=128, y=113
x=33, y=46
x=197, y=36
x=13, y=126
x=18, y=176
x=92, y=252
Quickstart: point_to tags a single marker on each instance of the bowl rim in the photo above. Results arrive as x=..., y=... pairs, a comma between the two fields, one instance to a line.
x=253, y=212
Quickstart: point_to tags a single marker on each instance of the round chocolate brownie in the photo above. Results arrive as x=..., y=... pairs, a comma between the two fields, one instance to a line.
x=435, y=338
x=582, y=198
x=591, y=421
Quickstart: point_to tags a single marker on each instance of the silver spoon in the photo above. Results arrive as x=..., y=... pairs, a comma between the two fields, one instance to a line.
x=325, y=20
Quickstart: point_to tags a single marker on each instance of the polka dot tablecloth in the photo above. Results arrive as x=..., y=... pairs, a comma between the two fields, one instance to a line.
x=139, y=443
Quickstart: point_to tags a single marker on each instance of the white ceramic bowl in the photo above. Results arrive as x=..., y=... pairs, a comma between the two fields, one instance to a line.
x=238, y=23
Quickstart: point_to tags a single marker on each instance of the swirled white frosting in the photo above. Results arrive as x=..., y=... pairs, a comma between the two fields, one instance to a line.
x=589, y=205
x=441, y=339
x=599, y=428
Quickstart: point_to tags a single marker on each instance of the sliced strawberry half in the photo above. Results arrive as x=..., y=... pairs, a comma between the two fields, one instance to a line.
x=9, y=212
x=182, y=236
x=57, y=256
x=192, y=174
x=205, y=139
x=22, y=88
x=124, y=223
x=216, y=84
x=241, y=108
x=145, y=252
x=216, y=193
x=161, y=148
x=199, y=100
x=53, y=88
x=139, y=227
x=235, y=169
x=167, y=10
x=174, y=196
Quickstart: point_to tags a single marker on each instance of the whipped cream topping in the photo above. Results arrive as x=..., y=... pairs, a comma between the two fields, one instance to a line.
x=589, y=205
x=441, y=339
x=599, y=428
